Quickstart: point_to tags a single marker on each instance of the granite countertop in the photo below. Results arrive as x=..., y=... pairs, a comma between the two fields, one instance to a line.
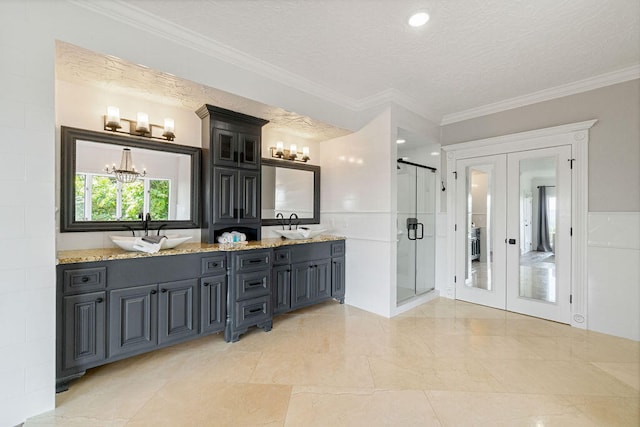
x=108, y=254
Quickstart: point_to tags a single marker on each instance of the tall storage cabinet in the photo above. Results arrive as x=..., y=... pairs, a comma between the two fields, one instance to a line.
x=231, y=144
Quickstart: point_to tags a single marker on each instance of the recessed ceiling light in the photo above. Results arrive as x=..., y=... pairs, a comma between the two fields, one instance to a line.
x=418, y=19
x=400, y=141
x=435, y=153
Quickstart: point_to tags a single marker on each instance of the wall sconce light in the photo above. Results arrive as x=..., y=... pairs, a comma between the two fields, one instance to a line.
x=138, y=127
x=279, y=152
x=127, y=172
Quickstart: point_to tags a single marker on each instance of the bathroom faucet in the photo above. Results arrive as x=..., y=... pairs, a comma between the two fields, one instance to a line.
x=281, y=219
x=145, y=222
x=291, y=222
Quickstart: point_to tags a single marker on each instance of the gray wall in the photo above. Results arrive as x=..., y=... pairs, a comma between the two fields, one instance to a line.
x=614, y=141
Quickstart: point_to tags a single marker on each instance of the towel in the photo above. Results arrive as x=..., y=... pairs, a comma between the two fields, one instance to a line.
x=232, y=237
x=148, y=247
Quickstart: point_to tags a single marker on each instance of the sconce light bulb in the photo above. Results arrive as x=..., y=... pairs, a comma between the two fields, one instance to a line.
x=112, y=121
x=142, y=124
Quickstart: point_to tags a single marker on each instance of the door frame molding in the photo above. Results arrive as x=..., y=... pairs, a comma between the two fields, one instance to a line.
x=574, y=134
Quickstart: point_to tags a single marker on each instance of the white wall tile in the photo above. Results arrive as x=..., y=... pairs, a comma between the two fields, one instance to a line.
x=12, y=114
x=39, y=313
x=38, y=377
x=13, y=167
x=13, y=219
x=11, y=279
x=614, y=229
x=614, y=291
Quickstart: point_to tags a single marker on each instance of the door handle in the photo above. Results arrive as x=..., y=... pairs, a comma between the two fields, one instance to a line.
x=512, y=241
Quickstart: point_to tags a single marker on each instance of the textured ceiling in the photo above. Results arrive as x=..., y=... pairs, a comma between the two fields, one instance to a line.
x=470, y=54
x=81, y=66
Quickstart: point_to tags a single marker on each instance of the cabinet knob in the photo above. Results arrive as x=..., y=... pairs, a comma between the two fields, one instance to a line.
x=99, y=300
x=153, y=292
x=205, y=284
x=164, y=291
x=85, y=279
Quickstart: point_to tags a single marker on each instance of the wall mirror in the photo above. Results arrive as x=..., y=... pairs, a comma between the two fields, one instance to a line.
x=92, y=199
x=289, y=187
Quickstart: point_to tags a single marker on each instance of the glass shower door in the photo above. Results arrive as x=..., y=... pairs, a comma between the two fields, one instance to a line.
x=415, y=228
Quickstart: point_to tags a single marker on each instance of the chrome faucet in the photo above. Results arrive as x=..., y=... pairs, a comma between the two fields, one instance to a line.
x=291, y=222
x=280, y=217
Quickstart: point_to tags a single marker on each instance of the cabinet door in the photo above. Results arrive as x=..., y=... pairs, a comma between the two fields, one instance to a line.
x=224, y=146
x=301, y=284
x=177, y=312
x=249, y=151
x=213, y=303
x=84, y=332
x=338, y=278
x=133, y=320
x=249, y=196
x=281, y=280
x=224, y=195
x=322, y=279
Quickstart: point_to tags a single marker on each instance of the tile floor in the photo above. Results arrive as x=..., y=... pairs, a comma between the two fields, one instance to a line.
x=445, y=363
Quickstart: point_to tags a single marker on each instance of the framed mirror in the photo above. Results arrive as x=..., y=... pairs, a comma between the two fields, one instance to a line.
x=289, y=187
x=93, y=199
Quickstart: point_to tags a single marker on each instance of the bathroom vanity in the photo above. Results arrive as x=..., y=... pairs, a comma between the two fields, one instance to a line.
x=115, y=304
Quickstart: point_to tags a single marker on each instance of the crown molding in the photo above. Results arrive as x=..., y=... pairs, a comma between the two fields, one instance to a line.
x=127, y=14
x=398, y=98
x=602, y=80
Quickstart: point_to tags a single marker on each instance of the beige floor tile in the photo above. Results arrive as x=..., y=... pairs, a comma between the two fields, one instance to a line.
x=473, y=365
x=609, y=411
x=432, y=374
x=556, y=377
x=313, y=369
x=628, y=373
x=206, y=403
x=504, y=409
x=344, y=407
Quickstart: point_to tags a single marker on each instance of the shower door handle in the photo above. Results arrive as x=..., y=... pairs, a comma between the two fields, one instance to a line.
x=421, y=226
x=412, y=226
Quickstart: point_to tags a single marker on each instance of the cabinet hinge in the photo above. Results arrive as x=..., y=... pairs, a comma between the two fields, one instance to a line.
x=571, y=231
x=455, y=227
x=571, y=299
x=455, y=279
x=571, y=162
x=455, y=175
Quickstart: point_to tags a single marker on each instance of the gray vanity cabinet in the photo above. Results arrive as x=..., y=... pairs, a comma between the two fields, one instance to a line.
x=132, y=318
x=306, y=274
x=231, y=144
x=85, y=329
x=310, y=282
x=236, y=196
x=249, y=292
x=213, y=304
x=143, y=317
x=177, y=313
x=281, y=288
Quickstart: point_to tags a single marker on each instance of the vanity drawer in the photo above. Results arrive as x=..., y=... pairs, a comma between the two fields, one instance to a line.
x=252, y=260
x=282, y=256
x=254, y=284
x=252, y=312
x=214, y=265
x=84, y=279
x=337, y=249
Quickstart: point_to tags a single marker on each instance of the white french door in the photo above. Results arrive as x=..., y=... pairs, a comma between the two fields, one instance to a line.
x=513, y=220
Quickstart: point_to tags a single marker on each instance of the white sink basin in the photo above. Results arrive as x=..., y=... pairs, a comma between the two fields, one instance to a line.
x=127, y=242
x=300, y=233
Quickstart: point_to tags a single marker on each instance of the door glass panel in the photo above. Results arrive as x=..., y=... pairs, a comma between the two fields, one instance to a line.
x=225, y=144
x=249, y=150
x=479, y=248
x=425, y=231
x=406, y=248
x=538, y=217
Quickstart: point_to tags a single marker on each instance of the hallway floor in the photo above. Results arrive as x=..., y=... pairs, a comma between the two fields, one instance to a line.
x=446, y=363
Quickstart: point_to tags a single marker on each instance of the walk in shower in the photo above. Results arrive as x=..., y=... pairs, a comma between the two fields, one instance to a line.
x=415, y=230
